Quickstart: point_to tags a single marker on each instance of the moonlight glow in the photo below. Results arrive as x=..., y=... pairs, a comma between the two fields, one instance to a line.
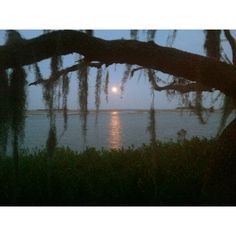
x=114, y=89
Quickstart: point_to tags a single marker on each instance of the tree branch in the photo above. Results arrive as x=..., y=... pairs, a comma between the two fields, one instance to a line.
x=135, y=69
x=207, y=71
x=65, y=71
x=182, y=88
x=192, y=87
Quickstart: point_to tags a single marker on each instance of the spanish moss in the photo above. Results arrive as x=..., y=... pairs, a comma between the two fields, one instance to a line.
x=134, y=34
x=171, y=38
x=151, y=35
x=49, y=95
x=55, y=65
x=83, y=96
x=52, y=140
x=199, y=107
x=37, y=72
x=98, y=89
x=17, y=105
x=59, y=93
x=106, y=85
x=212, y=43
x=48, y=92
x=65, y=92
x=83, y=88
x=152, y=123
x=125, y=77
x=4, y=112
x=184, y=98
x=17, y=100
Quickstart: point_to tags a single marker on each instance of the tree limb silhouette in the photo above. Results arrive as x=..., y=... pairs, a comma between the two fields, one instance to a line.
x=186, y=88
x=65, y=71
x=204, y=70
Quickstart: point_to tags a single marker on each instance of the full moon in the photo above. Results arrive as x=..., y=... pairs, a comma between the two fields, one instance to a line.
x=114, y=89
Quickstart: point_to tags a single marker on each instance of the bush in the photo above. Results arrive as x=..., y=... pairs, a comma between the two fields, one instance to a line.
x=160, y=174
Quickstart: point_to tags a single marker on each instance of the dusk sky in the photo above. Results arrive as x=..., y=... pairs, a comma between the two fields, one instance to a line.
x=137, y=94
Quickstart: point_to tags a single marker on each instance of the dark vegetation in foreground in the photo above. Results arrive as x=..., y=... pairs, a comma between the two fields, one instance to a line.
x=163, y=174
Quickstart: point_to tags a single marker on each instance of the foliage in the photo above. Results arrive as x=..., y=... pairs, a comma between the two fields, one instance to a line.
x=164, y=174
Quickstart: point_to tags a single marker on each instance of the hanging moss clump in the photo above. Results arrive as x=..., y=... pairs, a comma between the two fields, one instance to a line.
x=212, y=43
x=4, y=112
x=17, y=106
x=106, y=85
x=83, y=96
x=98, y=89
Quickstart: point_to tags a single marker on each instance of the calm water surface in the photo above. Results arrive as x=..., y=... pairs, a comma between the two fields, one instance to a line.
x=115, y=129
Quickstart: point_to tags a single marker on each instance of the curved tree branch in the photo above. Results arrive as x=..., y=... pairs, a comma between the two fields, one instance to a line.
x=182, y=88
x=186, y=88
x=207, y=71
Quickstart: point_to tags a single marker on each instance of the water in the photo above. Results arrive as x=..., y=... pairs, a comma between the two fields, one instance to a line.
x=116, y=129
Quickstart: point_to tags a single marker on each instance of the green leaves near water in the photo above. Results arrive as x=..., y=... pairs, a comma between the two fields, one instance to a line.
x=167, y=174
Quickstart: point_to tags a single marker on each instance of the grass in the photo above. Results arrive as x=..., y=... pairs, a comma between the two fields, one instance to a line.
x=164, y=174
